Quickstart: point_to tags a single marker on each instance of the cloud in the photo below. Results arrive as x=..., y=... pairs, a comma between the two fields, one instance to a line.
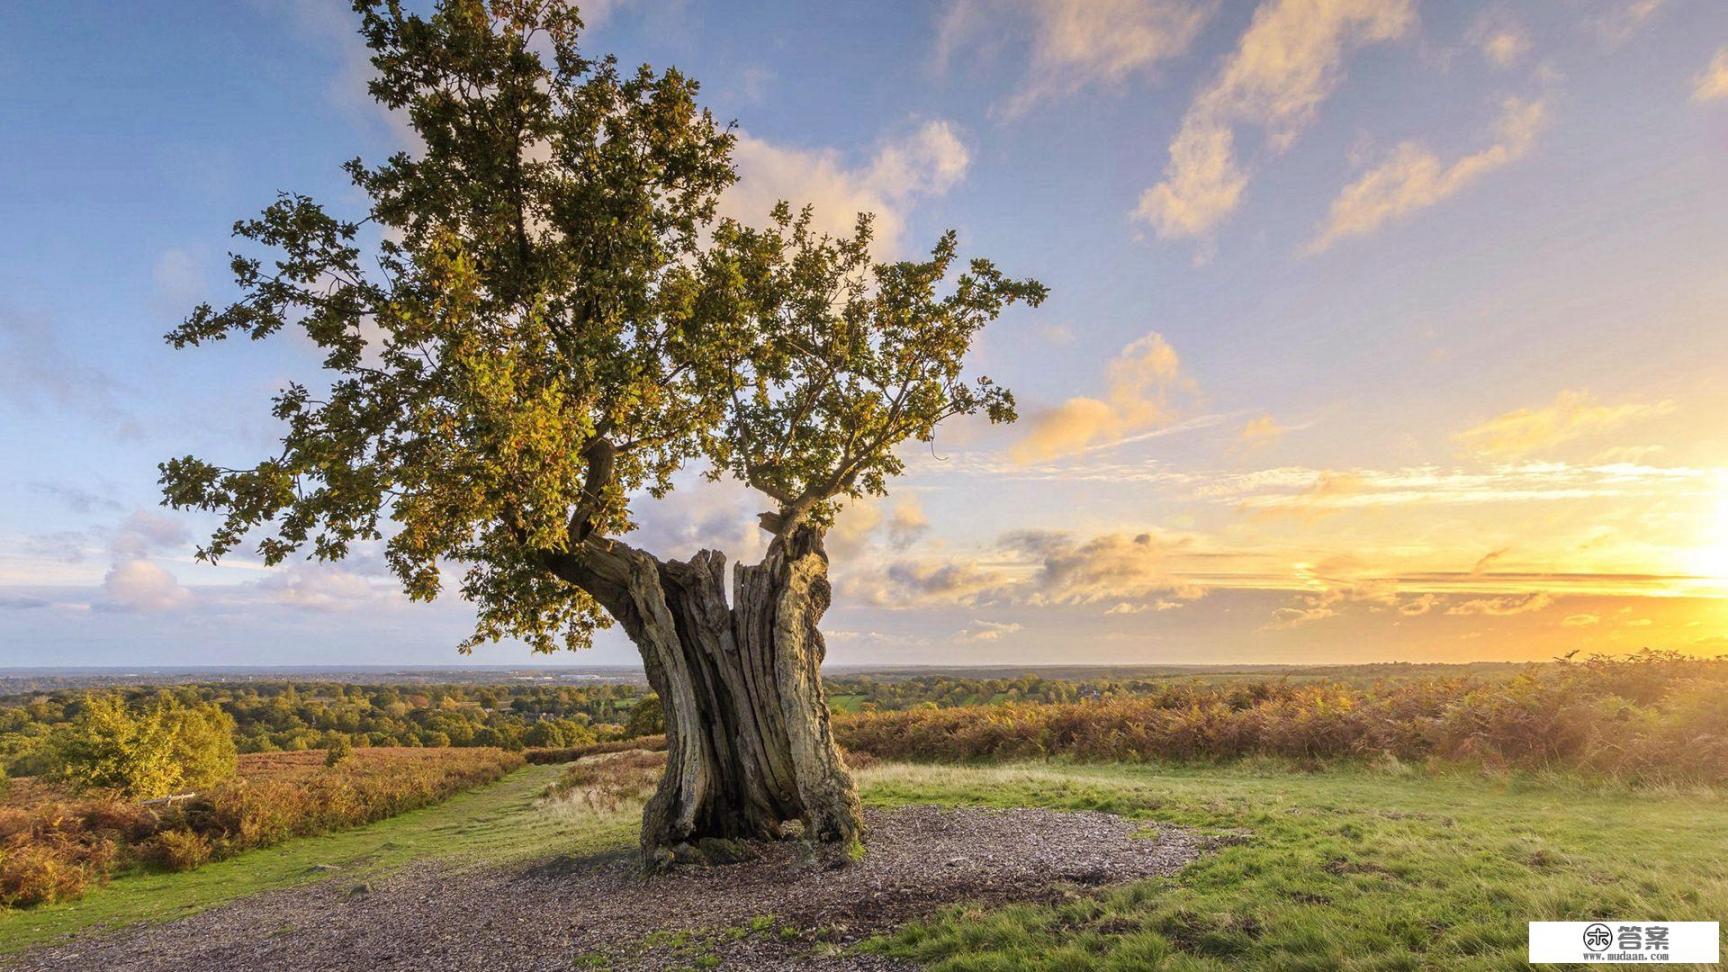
x=907, y=524
x=1258, y=432
x=140, y=585
x=1078, y=44
x=1623, y=19
x=76, y=498
x=1500, y=38
x=1579, y=620
x=1321, y=498
x=1713, y=83
x=924, y=164
x=988, y=631
x=1488, y=560
x=1287, y=63
x=1414, y=178
x=1110, y=567
x=333, y=25
x=1574, y=415
x=1501, y=607
x=38, y=371
x=321, y=587
x=1142, y=379
x=145, y=531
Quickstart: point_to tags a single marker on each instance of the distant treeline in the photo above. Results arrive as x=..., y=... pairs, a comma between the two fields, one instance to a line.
x=292, y=716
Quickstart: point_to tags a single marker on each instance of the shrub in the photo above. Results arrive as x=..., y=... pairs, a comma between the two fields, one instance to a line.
x=54, y=849
x=1652, y=717
x=145, y=752
x=338, y=750
x=176, y=850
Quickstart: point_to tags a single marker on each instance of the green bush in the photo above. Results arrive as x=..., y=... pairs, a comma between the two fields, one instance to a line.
x=162, y=747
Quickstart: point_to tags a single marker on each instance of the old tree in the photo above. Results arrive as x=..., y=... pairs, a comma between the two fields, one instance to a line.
x=538, y=321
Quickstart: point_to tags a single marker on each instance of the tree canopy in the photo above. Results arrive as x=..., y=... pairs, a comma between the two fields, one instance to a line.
x=541, y=318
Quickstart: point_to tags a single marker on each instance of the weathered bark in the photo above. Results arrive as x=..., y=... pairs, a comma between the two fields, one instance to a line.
x=748, y=740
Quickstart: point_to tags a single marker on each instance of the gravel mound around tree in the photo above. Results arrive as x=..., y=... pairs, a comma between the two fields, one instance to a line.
x=786, y=909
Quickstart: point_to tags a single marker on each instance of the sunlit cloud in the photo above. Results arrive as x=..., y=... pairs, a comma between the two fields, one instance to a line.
x=1143, y=380
x=925, y=163
x=1500, y=38
x=1261, y=431
x=1287, y=63
x=1713, y=83
x=1575, y=414
x=1414, y=178
x=1077, y=44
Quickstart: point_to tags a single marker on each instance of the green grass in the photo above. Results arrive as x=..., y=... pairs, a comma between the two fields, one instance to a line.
x=846, y=703
x=497, y=822
x=1349, y=869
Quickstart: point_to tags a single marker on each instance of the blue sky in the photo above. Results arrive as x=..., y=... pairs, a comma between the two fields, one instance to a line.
x=1379, y=328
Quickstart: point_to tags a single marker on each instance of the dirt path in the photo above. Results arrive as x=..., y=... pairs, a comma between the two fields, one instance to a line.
x=786, y=910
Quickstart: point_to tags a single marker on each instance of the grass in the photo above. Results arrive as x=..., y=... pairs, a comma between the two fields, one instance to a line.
x=1349, y=869
x=1354, y=869
x=493, y=823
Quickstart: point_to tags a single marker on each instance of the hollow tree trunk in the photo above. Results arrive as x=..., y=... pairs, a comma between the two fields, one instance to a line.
x=748, y=740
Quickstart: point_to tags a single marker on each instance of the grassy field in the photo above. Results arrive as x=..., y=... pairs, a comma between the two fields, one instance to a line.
x=1346, y=869
x=497, y=822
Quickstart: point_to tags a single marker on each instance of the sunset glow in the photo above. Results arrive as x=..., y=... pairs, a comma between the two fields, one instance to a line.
x=1385, y=330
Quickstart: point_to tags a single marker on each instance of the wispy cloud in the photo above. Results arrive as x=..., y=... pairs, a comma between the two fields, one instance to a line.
x=1573, y=415
x=1287, y=63
x=1414, y=178
x=1713, y=83
x=1077, y=44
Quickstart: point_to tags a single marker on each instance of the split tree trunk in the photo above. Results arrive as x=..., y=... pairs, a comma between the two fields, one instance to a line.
x=748, y=740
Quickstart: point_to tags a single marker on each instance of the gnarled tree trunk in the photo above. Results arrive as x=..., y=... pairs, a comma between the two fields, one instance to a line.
x=748, y=740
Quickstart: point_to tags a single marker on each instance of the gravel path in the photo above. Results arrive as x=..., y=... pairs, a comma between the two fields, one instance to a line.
x=777, y=912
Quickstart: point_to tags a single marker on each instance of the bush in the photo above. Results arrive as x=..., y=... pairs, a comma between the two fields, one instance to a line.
x=53, y=850
x=339, y=750
x=150, y=751
x=176, y=850
x=1653, y=717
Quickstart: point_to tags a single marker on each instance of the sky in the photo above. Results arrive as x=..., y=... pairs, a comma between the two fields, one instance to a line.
x=1378, y=329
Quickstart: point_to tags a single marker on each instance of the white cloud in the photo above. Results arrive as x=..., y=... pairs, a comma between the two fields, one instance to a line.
x=1713, y=83
x=140, y=585
x=323, y=587
x=1286, y=64
x=927, y=163
x=1143, y=378
x=1414, y=178
x=1078, y=44
x=988, y=630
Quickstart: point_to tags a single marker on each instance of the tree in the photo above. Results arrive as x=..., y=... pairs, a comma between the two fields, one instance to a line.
x=149, y=751
x=338, y=749
x=558, y=322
